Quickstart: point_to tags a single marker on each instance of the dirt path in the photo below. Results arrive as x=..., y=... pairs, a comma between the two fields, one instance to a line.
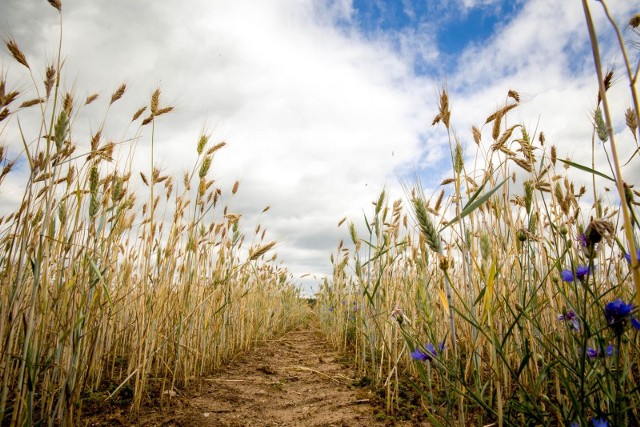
x=296, y=380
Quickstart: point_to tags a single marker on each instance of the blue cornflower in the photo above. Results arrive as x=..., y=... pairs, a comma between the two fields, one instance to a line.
x=617, y=312
x=617, y=309
x=599, y=422
x=567, y=275
x=609, y=350
x=572, y=317
x=419, y=355
x=429, y=353
x=592, y=353
x=627, y=256
x=635, y=323
x=581, y=272
x=582, y=240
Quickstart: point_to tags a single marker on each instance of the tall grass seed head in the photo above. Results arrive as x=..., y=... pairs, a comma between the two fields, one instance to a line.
x=380, y=202
x=17, y=54
x=60, y=131
x=533, y=223
x=436, y=207
x=352, y=233
x=155, y=101
x=444, y=113
x=426, y=225
x=93, y=188
x=204, y=169
x=94, y=177
x=7, y=98
x=148, y=119
x=632, y=121
x=138, y=113
x=91, y=98
x=118, y=93
x=514, y=95
x=202, y=142
x=528, y=195
x=458, y=161
x=49, y=80
x=485, y=246
x=57, y=4
x=607, y=81
x=62, y=213
x=67, y=102
x=117, y=193
x=600, y=125
x=477, y=135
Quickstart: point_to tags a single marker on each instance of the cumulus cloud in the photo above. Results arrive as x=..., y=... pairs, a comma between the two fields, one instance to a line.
x=319, y=115
x=317, y=118
x=544, y=53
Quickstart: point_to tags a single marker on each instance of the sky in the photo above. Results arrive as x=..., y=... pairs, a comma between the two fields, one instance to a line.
x=322, y=104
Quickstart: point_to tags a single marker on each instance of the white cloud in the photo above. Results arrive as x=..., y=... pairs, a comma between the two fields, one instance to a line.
x=469, y=4
x=544, y=53
x=318, y=118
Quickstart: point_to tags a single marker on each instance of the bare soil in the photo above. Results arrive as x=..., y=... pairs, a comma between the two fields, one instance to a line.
x=297, y=380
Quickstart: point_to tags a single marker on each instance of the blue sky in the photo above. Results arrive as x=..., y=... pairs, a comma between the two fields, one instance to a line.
x=322, y=103
x=454, y=27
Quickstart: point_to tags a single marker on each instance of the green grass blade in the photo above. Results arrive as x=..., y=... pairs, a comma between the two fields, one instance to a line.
x=586, y=169
x=473, y=204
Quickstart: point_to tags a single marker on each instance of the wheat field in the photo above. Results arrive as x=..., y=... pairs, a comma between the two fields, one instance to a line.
x=506, y=296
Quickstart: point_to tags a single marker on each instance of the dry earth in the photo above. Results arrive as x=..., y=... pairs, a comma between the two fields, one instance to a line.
x=297, y=380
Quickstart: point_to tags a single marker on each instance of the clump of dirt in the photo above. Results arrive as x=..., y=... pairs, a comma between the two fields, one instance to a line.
x=297, y=380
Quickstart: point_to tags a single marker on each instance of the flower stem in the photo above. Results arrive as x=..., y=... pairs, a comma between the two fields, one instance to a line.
x=628, y=227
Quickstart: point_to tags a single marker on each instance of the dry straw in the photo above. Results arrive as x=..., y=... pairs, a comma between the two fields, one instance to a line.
x=510, y=235
x=124, y=293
